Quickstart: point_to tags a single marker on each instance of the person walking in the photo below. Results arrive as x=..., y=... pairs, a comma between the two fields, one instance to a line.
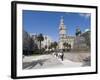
x=62, y=55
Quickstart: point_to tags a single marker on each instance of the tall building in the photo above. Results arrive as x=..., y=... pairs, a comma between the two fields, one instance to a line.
x=63, y=35
x=82, y=40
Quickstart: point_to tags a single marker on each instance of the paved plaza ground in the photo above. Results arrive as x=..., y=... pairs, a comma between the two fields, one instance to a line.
x=51, y=61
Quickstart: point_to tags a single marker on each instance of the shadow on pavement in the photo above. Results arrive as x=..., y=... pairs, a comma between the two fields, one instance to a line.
x=33, y=63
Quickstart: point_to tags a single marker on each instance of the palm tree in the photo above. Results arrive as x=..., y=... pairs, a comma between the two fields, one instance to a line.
x=40, y=38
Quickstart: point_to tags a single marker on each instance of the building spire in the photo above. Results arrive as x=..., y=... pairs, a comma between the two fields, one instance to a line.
x=62, y=26
x=62, y=20
x=62, y=33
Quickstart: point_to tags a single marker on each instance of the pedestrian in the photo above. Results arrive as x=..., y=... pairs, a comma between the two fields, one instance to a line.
x=62, y=55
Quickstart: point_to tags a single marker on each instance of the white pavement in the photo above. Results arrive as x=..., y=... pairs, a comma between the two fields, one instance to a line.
x=68, y=63
x=47, y=61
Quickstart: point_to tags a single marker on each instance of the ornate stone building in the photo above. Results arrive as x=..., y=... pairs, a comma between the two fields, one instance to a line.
x=63, y=36
x=79, y=42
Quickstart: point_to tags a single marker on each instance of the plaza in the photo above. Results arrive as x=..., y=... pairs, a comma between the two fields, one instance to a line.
x=50, y=61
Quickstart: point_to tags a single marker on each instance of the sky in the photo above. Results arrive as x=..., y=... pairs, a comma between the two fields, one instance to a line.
x=47, y=23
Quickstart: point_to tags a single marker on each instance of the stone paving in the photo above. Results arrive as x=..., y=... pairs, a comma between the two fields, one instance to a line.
x=50, y=61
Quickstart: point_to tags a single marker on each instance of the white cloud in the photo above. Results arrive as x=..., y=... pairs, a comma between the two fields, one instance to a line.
x=87, y=30
x=86, y=15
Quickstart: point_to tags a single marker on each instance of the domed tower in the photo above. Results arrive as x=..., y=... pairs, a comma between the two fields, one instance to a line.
x=62, y=33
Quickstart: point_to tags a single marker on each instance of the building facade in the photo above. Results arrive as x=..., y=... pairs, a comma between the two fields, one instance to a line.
x=79, y=42
x=63, y=36
x=45, y=43
x=82, y=40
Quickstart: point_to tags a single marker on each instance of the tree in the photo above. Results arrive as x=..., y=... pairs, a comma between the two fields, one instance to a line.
x=26, y=40
x=54, y=45
x=65, y=45
x=46, y=47
x=69, y=45
x=50, y=47
x=40, y=38
x=29, y=46
x=32, y=45
x=78, y=31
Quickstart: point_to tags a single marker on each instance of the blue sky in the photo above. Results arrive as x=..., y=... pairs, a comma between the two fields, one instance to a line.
x=47, y=23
